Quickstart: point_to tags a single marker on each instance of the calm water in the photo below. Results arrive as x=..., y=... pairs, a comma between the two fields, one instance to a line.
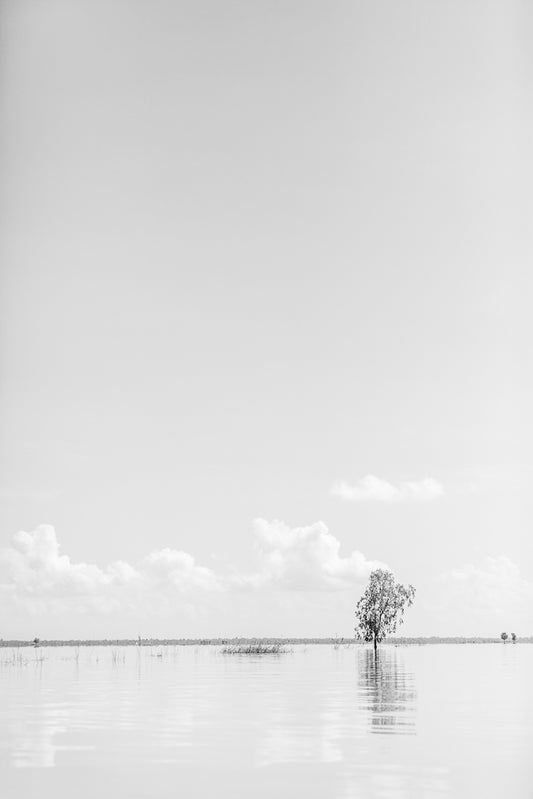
x=426, y=721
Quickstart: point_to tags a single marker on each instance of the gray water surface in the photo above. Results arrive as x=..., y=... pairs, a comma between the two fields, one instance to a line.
x=420, y=721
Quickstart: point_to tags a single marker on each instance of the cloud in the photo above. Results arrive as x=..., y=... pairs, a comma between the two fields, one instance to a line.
x=306, y=558
x=373, y=489
x=35, y=575
x=494, y=586
x=481, y=598
x=178, y=570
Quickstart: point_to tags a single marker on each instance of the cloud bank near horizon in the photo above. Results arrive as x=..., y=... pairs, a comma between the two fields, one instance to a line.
x=495, y=586
x=35, y=575
x=301, y=581
x=373, y=489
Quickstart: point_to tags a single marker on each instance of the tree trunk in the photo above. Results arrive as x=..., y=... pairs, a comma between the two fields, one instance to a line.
x=375, y=645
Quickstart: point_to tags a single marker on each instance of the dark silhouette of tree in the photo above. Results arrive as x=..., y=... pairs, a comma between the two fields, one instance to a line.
x=504, y=637
x=380, y=610
x=513, y=638
x=36, y=641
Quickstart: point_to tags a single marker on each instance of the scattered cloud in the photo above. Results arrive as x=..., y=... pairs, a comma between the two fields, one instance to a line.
x=178, y=570
x=494, y=585
x=373, y=489
x=306, y=558
x=481, y=598
x=301, y=579
x=35, y=575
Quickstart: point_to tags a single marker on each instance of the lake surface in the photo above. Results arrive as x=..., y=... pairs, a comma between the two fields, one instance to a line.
x=423, y=721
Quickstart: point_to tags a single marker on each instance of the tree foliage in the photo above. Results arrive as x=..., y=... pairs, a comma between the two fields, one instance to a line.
x=381, y=608
x=513, y=636
x=504, y=637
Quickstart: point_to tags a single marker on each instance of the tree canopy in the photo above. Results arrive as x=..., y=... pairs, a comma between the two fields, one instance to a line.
x=381, y=608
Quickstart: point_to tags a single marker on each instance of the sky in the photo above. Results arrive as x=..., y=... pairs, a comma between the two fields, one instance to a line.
x=265, y=322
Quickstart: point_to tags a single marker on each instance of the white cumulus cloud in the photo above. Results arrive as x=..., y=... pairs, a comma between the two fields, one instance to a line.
x=373, y=489
x=306, y=558
x=38, y=577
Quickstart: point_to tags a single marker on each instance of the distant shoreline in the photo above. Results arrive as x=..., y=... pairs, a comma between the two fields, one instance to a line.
x=240, y=641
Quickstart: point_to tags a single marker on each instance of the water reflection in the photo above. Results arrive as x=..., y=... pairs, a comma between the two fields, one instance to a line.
x=34, y=745
x=317, y=722
x=172, y=711
x=292, y=734
x=387, y=691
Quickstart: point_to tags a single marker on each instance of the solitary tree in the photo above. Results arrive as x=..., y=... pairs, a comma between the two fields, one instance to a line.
x=513, y=637
x=381, y=608
x=504, y=637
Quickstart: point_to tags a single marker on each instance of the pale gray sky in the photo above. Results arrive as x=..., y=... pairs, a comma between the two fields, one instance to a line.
x=265, y=261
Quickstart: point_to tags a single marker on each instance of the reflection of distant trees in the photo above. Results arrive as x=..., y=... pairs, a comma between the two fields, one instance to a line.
x=387, y=690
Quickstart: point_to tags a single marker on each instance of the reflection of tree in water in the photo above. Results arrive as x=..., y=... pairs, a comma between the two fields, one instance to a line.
x=387, y=690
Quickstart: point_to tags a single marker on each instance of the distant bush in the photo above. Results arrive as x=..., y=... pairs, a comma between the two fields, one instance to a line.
x=254, y=649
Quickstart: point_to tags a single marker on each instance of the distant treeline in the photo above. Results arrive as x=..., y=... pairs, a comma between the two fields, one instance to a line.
x=338, y=641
